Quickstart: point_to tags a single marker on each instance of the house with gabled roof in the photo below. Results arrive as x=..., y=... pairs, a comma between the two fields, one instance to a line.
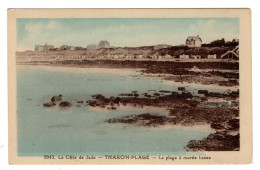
x=193, y=41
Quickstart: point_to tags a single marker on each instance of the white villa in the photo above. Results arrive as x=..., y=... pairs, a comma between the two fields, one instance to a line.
x=193, y=41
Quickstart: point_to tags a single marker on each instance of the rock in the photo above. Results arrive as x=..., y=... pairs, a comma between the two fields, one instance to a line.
x=220, y=141
x=145, y=119
x=49, y=104
x=234, y=124
x=117, y=100
x=65, y=104
x=175, y=93
x=186, y=95
x=215, y=94
x=203, y=92
x=100, y=97
x=112, y=98
x=95, y=96
x=81, y=101
x=93, y=103
x=88, y=101
x=56, y=98
x=136, y=95
x=156, y=94
x=105, y=100
x=126, y=94
x=181, y=88
x=164, y=91
x=147, y=95
x=111, y=108
x=217, y=126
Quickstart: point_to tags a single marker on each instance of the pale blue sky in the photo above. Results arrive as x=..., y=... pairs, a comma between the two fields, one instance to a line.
x=122, y=32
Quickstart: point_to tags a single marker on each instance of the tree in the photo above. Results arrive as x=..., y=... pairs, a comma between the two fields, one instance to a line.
x=218, y=43
x=103, y=44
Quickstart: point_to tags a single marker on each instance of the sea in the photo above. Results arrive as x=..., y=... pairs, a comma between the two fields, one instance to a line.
x=81, y=129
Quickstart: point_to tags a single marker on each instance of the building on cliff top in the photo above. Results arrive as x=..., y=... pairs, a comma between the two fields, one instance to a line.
x=193, y=41
x=92, y=47
x=43, y=48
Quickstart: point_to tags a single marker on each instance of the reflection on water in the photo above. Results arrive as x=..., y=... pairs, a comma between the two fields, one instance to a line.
x=81, y=129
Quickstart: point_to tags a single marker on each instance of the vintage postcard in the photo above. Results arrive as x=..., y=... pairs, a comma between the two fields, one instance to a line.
x=129, y=86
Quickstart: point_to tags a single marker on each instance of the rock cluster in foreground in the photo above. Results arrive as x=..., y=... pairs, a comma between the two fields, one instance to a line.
x=184, y=109
x=57, y=100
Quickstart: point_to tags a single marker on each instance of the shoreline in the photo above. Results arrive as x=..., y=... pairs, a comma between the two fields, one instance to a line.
x=127, y=70
x=74, y=69
x=184, y=109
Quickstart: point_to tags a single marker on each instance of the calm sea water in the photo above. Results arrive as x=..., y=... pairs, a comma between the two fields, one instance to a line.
x=82, y=130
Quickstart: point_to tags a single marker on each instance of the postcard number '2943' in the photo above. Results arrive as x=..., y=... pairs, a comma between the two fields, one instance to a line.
x=49, y=157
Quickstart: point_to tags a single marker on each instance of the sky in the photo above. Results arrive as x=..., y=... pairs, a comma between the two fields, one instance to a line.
x=121, y=32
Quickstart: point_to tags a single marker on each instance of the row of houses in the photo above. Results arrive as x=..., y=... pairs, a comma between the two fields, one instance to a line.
x=101, y=44
x=210, y=56
x=227, y=55
x=43, y=48
x=47, y=48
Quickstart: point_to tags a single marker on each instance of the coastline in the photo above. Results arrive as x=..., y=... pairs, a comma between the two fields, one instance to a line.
x=75, y=69
x=184, y=103
x=182, y=77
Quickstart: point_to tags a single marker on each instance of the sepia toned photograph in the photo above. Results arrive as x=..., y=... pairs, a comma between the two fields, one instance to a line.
x=130, y=87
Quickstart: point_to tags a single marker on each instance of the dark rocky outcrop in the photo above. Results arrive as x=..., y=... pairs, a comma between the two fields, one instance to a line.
x=49, y=104
x=233, y=124
x=111, y=108
x=215, y=142
x=202, y=91
x=145, y=119
x=164, y=91
x=181, y=88
x=65, y=104
x=56, y=98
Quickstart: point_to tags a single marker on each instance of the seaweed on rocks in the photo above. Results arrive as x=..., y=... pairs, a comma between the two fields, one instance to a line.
x=216, y=142
x=65, y=104
x=49, y=104
x=145, y=119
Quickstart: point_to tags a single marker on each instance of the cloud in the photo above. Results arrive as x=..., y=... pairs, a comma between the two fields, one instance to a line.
x=57, y=33
x=33, y=27
x=38, y=33
x=193, y=27
x=207, y=24
x=52, y=25
x=203, y=25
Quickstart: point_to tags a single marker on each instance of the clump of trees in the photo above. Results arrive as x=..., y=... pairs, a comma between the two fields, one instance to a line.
x=222, y=43
x=103, y=44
